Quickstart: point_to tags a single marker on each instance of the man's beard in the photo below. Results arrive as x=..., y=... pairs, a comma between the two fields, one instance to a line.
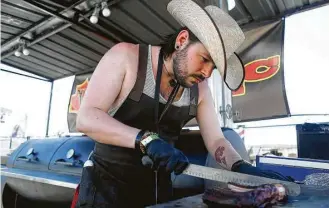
x=180, y=67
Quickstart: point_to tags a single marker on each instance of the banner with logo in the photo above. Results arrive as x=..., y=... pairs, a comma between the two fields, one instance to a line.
x=78, y=91
x=262, y=94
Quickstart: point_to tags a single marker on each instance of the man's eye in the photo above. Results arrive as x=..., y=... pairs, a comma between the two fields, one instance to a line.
x=204, y=59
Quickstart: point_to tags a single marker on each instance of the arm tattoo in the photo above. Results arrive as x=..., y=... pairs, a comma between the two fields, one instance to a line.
x=219, y=155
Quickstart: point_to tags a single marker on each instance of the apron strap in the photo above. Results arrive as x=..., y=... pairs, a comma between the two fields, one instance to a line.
x=137, y=91
x=194, y=97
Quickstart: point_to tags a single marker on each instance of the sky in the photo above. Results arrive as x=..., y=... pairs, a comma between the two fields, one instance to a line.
x=24, y=96
x=306, y=75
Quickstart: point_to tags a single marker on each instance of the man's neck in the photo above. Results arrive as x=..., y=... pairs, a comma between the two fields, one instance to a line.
x=166, y=78
x=166, y=86
x=168, y=67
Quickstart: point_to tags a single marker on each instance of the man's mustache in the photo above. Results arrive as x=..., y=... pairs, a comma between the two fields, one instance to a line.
x=199, y=77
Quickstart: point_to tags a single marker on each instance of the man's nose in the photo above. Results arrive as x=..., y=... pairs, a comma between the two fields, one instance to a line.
x=207, y=71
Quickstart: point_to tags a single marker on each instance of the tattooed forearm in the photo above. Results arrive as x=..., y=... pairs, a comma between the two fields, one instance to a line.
x=224, y=154
x=219, y=155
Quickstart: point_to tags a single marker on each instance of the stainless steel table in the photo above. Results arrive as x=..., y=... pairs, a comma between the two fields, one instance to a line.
x=196, y=202
x=188, y=202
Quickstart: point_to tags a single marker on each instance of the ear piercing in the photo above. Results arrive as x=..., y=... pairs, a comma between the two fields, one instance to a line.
x=177, y=47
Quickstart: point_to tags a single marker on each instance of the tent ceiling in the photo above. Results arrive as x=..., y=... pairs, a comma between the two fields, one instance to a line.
x=62, y=41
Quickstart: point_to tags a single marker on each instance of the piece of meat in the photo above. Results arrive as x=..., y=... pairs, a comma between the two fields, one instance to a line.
x=240, y=196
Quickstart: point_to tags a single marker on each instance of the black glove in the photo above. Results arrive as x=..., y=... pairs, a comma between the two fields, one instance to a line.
x=242, y=166
x=163, y=155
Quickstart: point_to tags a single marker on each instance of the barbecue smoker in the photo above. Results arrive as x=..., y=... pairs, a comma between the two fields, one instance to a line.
x=44, y=170
x=47, y=171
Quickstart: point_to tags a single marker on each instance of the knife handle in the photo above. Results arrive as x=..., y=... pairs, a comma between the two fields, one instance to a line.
x=147, y=161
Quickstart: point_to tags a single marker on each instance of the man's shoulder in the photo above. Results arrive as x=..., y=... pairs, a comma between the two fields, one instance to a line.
x=124, y=49
x=123, y=53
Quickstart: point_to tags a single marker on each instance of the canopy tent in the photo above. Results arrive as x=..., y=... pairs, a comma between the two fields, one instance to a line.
x=61, y=40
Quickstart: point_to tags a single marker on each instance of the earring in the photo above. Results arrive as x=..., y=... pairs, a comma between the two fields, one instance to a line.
x=177, y=47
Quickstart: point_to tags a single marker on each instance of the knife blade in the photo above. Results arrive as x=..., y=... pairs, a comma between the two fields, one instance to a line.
x=292, y=189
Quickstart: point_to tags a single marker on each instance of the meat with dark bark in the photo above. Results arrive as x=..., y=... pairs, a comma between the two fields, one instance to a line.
x=240, y=196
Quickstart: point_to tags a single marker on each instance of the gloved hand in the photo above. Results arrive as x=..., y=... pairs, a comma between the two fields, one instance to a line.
x=242, y=166
x=164, y=155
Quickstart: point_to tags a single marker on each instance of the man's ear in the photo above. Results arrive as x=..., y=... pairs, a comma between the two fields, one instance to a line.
x=182, y=39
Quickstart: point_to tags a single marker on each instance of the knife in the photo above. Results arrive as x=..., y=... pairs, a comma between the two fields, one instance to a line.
x=292, y=189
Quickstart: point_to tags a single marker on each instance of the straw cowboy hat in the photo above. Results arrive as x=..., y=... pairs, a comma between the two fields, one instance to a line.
x=218, y=32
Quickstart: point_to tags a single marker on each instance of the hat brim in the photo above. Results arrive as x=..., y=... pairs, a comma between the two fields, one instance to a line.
x=235, y=72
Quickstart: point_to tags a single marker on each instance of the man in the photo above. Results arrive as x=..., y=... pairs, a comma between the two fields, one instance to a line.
x=139, y=98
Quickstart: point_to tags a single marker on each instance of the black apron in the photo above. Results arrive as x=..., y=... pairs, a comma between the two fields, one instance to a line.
x=118, y=178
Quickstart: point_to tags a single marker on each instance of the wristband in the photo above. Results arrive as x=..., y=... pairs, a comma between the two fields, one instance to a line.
x=140, y=135
x=147, y=138
x=143, y=138
x=145, y=141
